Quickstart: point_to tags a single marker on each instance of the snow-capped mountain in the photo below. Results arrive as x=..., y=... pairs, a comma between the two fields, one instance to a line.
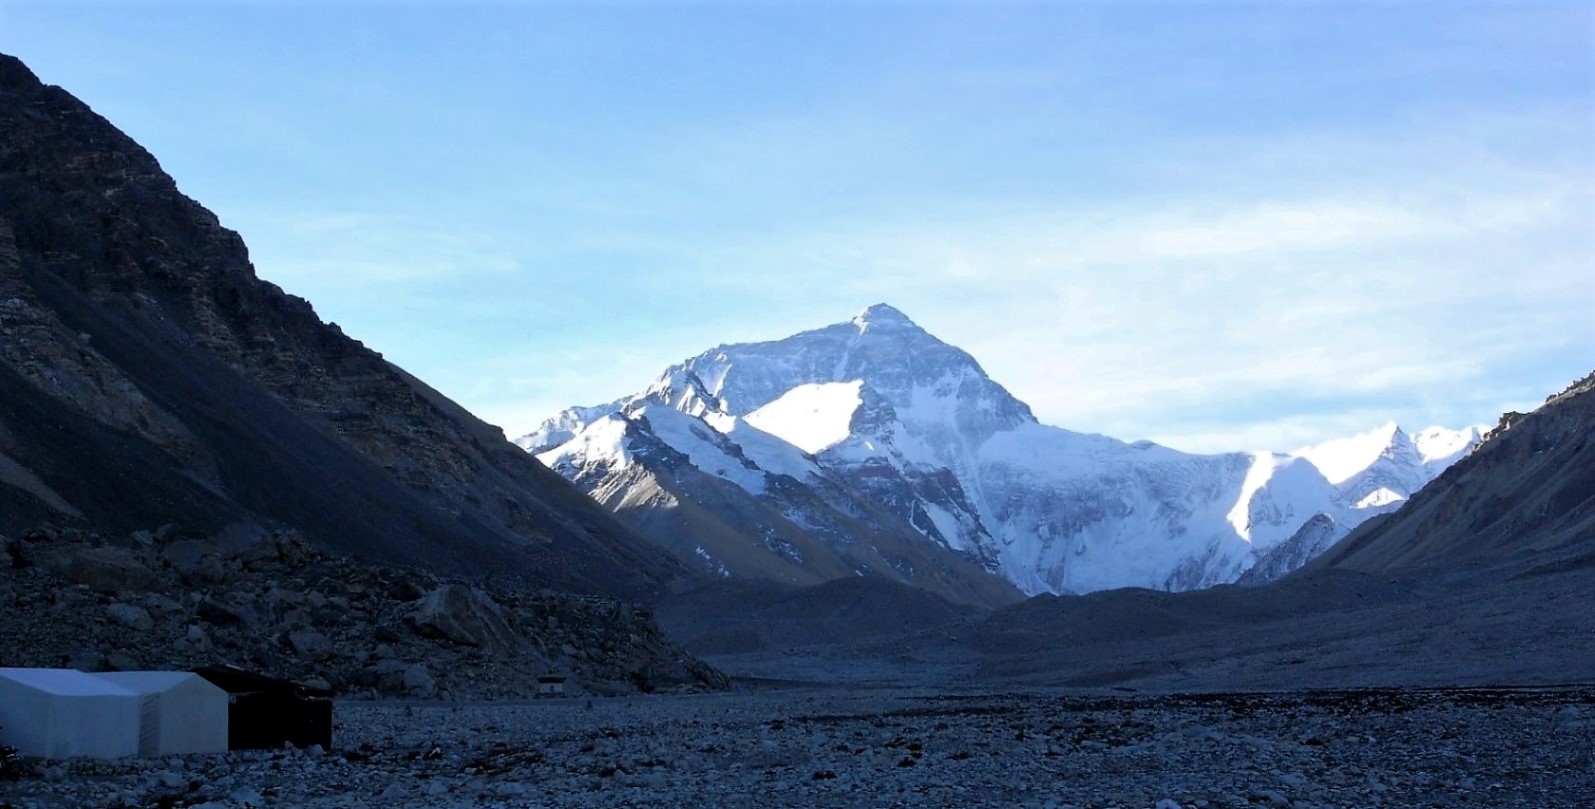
x=1381, y=468
x=734, y=501
x=878, y=420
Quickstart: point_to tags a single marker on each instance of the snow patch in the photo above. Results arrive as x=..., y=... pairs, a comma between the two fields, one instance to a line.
x=1440, y=447
x=811, y=417
x=1380, y=497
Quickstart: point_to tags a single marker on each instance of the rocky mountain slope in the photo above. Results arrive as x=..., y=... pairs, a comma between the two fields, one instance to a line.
x=876, y=418
x=171, y=600
x=1526, y=496
x=147, y=376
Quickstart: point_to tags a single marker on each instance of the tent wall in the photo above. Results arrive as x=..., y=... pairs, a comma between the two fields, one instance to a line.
x=182, y=712
x=60, y=713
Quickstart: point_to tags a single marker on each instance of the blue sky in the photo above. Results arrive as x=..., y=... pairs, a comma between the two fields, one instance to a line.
x=1219, y=226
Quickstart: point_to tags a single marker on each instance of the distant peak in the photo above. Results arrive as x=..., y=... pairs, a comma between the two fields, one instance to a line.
x=881, y=314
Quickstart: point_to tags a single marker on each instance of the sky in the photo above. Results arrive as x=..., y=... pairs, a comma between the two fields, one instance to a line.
x=1217, y=226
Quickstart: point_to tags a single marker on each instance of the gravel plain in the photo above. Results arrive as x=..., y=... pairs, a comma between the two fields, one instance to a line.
x=804, y=746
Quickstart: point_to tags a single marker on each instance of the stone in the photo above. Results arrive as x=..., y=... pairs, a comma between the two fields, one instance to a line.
x=87, y=660
x=130, y=616
x=293, y=619
x=189, y=558
x=219, y=613
x=110, y=570
x=311, y=644
x=121, y=661
x=464, y=615
x=1273, y=797
x=197, y=637
x=387, y=675
x=419, y=682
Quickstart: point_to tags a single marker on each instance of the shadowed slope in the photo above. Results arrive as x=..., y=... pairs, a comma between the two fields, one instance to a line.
x=149, y=376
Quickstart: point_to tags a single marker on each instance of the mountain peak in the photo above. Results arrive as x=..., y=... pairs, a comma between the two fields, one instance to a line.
x=879, y=315
x=1341, y=458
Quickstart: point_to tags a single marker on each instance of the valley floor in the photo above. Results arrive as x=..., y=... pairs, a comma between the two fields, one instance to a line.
x=767, y=746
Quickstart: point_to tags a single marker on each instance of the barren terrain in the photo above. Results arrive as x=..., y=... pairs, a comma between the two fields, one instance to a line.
x=899, y=747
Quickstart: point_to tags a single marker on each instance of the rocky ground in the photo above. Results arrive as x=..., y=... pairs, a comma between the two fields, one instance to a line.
x=857, y=747
x=166, y=599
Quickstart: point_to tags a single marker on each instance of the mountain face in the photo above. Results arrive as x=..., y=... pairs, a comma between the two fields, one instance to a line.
x=147, y=376
x=876, y=416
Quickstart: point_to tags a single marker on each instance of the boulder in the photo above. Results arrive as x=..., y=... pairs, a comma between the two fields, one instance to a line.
x=122, y=661
x=313, y=645
x=110, y=570
x=195, y=560
x=197, y=638
x=386, y=675
x=87, y=660
x=464, y=615
x=131, y=616
x=418, y=682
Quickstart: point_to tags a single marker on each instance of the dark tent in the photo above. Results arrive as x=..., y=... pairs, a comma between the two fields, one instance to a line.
x=264, y=713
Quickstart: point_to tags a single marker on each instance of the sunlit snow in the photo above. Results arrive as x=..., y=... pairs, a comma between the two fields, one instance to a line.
x=602, y=441
x=1341, y=458
x=811, y=417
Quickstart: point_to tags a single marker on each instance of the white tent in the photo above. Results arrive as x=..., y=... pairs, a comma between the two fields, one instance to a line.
x=60, y=713
x=181, y=711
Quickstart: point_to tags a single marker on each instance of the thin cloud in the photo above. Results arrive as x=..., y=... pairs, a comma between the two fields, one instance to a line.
x=344, y=250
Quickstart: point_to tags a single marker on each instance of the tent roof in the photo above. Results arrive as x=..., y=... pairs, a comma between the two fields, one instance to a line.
x=65, y=682
x=148, y=681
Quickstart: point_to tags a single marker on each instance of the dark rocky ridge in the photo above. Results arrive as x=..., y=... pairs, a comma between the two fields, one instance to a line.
x=147, y=376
